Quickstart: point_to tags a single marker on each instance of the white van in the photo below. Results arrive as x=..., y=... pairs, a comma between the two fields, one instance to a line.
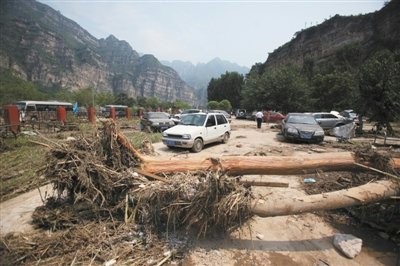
x=196, y=130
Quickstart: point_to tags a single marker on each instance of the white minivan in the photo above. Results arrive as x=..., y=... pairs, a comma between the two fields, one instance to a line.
x=196, y=130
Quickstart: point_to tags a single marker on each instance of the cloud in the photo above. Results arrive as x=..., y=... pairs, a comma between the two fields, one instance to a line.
x=243, y=32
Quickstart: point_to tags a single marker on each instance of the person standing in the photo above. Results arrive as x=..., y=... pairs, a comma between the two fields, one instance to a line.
x=259, y=117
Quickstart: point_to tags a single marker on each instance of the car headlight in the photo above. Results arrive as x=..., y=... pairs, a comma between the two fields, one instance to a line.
x=186, y=136
x=292, y=130
x=165, y=134
x=319, y=133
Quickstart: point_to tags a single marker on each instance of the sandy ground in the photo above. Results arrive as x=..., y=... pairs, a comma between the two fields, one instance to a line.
x=288, y=240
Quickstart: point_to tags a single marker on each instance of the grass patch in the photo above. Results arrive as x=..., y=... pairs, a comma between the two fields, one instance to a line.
x=19, y=165
x=137, y=138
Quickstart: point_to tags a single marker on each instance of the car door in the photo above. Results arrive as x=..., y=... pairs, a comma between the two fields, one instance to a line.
x=211, y=129
x=331, y=120
x=222, y=125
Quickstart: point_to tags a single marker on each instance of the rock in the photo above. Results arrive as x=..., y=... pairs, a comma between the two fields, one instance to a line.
x=260, y=236
x=349, y=245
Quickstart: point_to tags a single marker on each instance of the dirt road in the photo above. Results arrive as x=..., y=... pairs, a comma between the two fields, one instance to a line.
x=289, y=240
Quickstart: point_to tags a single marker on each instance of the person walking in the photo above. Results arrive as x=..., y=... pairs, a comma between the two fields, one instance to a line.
x=259, y=117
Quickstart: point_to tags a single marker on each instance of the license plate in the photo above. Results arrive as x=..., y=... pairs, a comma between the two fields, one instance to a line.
x=170, y=142
x=305, y=135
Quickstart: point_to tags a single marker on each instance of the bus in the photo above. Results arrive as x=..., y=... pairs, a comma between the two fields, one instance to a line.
x=120, y=110
x=40, y=110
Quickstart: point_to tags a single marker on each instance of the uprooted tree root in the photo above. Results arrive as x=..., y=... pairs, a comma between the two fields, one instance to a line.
x=378, y=159
x=102, y=205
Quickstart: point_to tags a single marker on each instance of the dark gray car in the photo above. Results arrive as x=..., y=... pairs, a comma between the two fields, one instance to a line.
x=302, y=127
x=155, y=122
x=329, y=120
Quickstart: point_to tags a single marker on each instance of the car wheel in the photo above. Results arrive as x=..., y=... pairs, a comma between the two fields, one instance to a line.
x=226, y=137
x=197, y=145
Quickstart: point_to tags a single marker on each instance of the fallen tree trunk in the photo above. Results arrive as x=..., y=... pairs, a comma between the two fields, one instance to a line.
x=271, y=165
x=368, y=193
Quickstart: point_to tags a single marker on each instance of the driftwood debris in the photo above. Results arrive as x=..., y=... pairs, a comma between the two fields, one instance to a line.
x=287, y=165
x=262, y=165
x=113, y=200
x=240, y=165
x=368, y=193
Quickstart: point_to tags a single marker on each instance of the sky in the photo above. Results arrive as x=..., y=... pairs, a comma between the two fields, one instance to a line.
x=240, y=31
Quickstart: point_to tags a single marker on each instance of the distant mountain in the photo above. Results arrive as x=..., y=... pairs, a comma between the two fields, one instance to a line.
x=338, y=39
x=39, y=44
x=198, y=76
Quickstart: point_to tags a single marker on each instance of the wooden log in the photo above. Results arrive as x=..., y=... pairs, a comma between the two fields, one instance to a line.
x=239, y=165
x=262, y=165
x=368, y=193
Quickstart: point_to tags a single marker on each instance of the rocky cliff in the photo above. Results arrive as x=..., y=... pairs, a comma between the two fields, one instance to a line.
x=41, y=45
x=356, y=35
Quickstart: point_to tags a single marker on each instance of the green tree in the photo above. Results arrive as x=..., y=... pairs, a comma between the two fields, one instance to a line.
x=284, y=88
x=153, y=103
x=379, y=87
x=334, y=91
x=213, y=105
x=105, y=98
x=84, y=97
x=228, y=86
x=124, y=99
x=179, y=104
x=13, y=89
x=225, y=105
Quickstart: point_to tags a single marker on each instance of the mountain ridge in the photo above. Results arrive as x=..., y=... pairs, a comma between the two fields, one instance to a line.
x=41, y=45
x=199, y=75
x=360, y=34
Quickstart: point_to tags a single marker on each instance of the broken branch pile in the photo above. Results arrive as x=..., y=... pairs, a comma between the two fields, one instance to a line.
x=97, y=179
x=107, y=210
x=99, y=190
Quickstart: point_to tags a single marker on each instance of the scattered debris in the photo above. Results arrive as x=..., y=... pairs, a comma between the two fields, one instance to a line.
x=260, y=236
x=349, y=245
x=309, y=180
x=103, y=208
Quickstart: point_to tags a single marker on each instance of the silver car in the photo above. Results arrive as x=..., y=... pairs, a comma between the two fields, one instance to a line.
x=329, y=120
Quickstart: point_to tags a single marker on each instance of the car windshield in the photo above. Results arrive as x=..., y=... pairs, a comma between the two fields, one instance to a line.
x=158, y=116
x=301, y=119
x=193, y=120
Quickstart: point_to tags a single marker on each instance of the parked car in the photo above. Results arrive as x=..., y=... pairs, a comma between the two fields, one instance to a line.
x=350, y=114
x=241, y=114
x=177, y=117
x=155, y=121
x=329, y=120
x=196, y=130
x=302, y=127
x=225, y=113
x=273, y=117
x=251, y=116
